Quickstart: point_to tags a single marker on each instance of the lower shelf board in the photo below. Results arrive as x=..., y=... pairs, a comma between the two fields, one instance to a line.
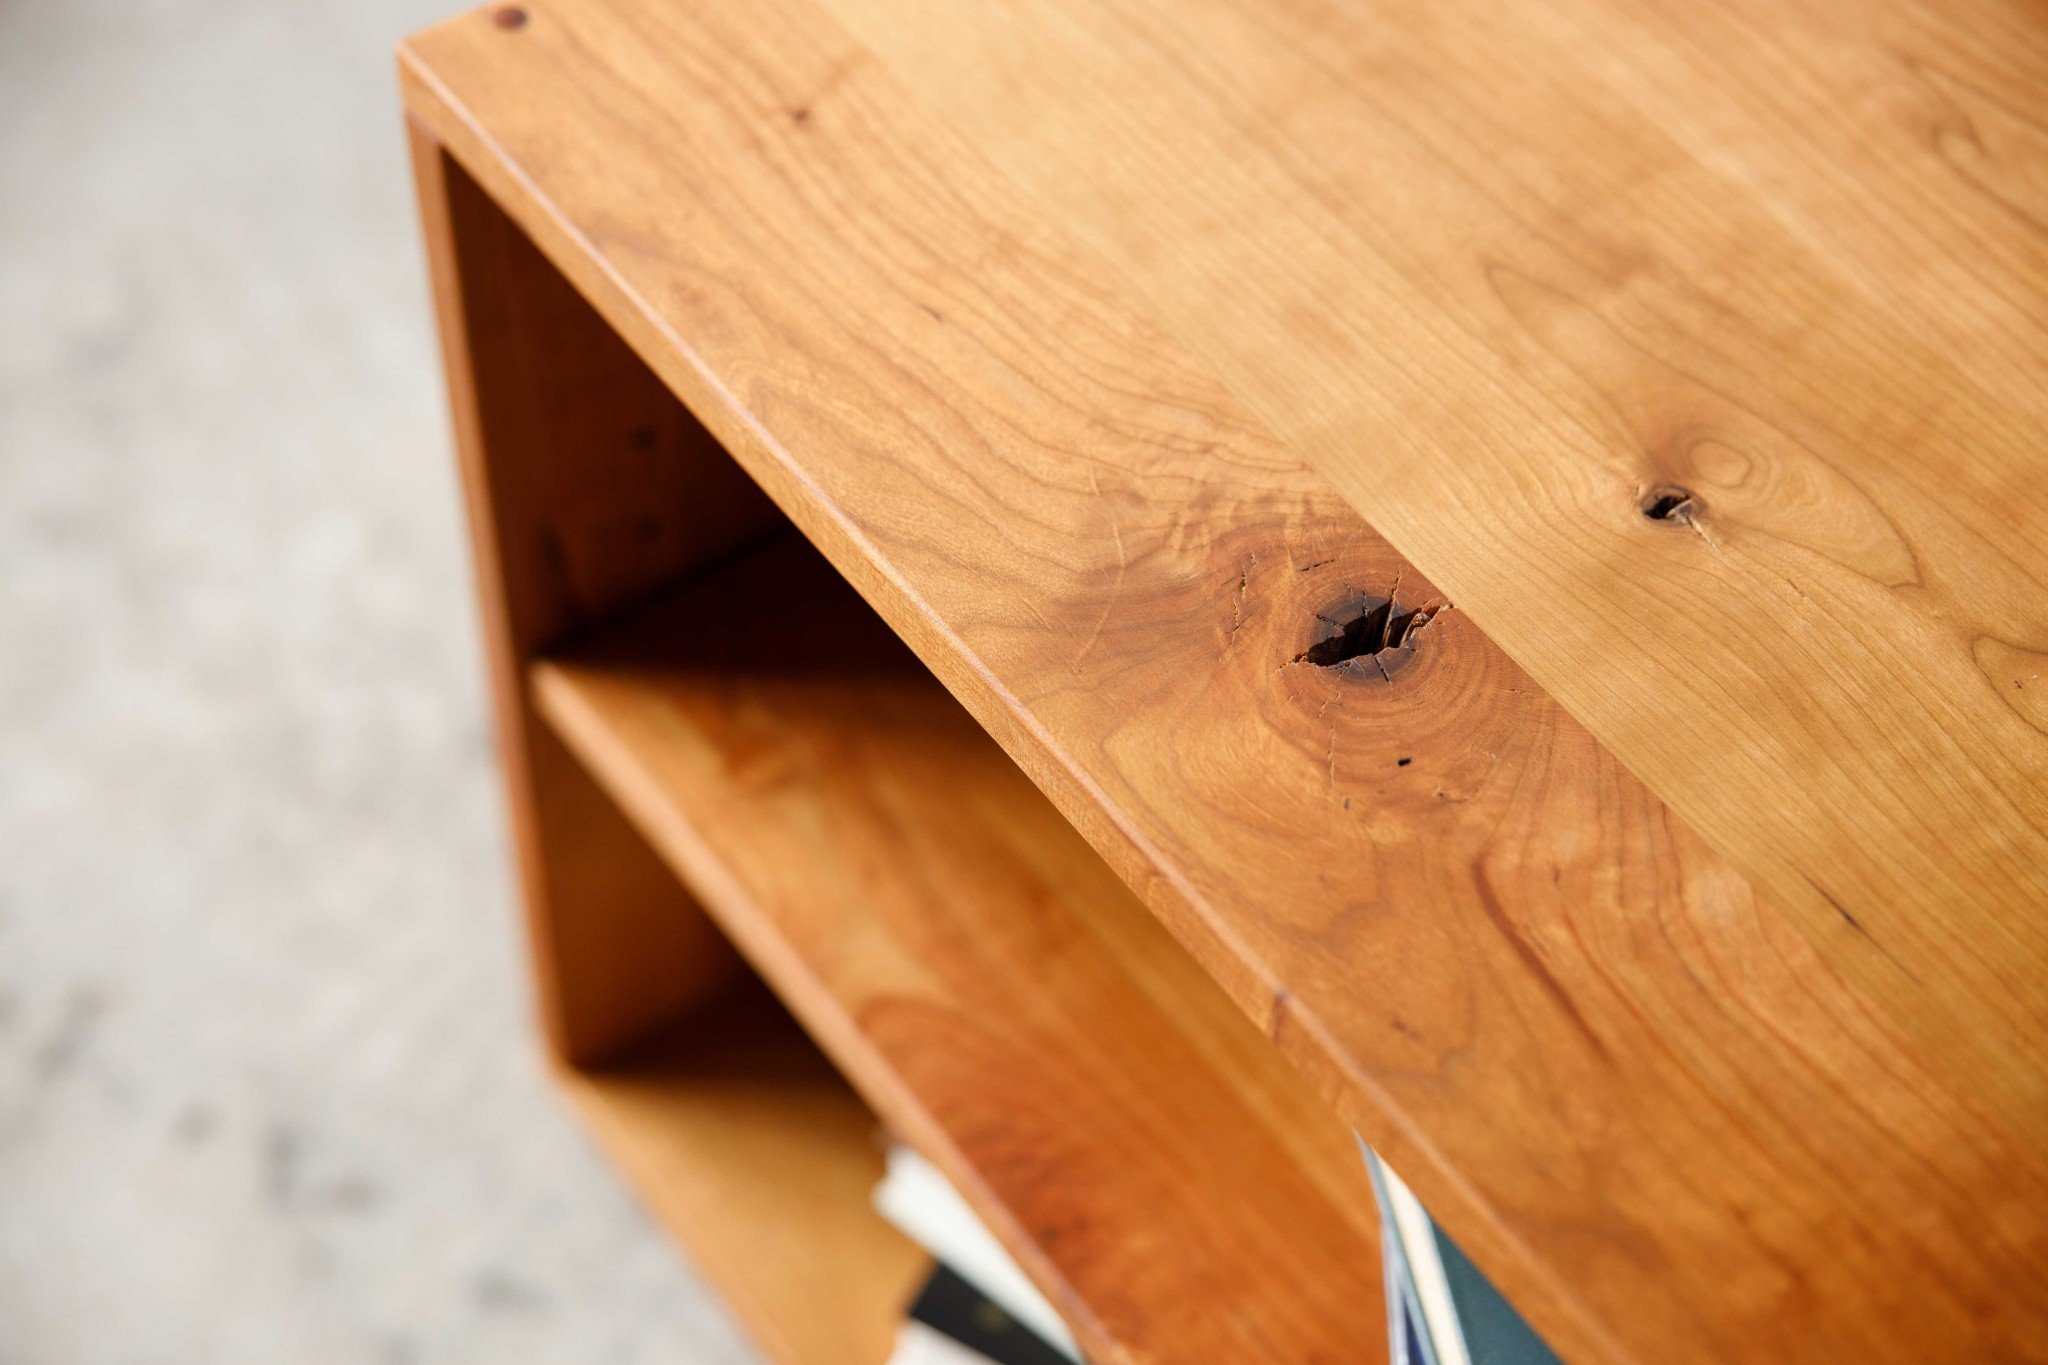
x=750, y=1148
x=985, y=981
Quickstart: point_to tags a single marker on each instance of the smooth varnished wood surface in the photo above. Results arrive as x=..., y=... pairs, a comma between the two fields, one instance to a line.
x=588, y=485
x=586, y=482
x=978, y=971
x=1500, y=276
x=1666, y=1111
x=746, y=1144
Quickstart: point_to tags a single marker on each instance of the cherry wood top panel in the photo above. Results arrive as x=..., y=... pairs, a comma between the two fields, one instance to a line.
x=746, y=1144
x=1501, y=274
x=1671, y=1118
x=980, y=973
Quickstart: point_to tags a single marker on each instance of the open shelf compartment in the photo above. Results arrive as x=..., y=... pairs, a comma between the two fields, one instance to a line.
x=990, y=988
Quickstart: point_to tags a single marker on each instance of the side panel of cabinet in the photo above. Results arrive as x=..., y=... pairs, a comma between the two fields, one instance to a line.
x=588, y=486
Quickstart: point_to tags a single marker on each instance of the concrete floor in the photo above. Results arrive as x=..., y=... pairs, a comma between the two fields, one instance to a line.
x=267, y=1090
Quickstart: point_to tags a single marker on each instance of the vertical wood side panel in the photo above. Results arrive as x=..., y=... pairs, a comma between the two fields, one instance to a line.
x=587, y=485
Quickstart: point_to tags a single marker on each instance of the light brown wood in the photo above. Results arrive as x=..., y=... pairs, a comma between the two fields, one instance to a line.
x=1499, y=275
x=982, y=976
x=742, y=1139
x=587, y=483
x=1675, y=1113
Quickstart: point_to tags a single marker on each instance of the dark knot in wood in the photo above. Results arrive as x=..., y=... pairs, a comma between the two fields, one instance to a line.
x=1668, y=502
x=1367, y=636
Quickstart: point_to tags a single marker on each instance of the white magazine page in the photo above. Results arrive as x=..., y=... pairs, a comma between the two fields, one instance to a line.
x=926, y=1208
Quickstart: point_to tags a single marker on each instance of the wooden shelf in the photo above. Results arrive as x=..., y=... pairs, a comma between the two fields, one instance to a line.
x=1661, y=929
x=984, y=979
x=749, y=1147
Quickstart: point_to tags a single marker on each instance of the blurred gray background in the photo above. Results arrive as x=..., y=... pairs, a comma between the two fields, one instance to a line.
x=268, y=1090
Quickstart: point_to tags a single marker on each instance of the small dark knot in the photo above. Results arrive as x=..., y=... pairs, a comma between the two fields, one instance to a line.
x=1668, y=502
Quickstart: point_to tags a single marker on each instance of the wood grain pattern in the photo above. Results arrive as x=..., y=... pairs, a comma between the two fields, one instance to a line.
x=590, y=486
x=532, y=372
x=1497, y=290
x=982, y=976
x=744, y=1142
x=1672, y=1124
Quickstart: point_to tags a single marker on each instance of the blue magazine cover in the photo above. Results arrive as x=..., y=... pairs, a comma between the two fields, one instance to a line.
x=1441, y=1310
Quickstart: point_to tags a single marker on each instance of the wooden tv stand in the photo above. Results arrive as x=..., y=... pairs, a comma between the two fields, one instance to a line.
x=915, y=457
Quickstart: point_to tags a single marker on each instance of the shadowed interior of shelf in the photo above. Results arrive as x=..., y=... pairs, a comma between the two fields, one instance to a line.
x=743, y=1140
x=982, y=978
